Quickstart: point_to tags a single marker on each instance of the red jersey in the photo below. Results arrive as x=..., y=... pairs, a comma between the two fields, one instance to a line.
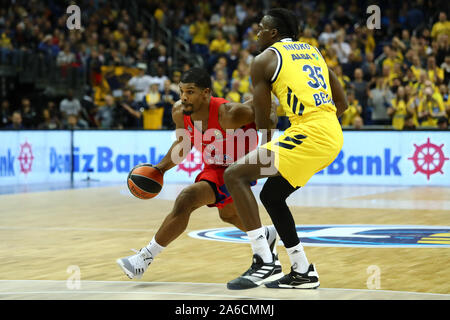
x=218, y=146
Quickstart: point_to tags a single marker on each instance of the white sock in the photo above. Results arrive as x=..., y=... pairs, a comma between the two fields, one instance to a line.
x=259, y=243
x=298, y=258
x=154, y=248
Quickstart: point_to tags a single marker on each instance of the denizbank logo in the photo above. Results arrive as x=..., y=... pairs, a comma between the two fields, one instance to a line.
x=368, y=236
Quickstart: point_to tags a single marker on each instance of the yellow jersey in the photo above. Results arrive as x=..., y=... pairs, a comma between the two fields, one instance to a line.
x=398, y=118
x=302, y=86
x=301, y=81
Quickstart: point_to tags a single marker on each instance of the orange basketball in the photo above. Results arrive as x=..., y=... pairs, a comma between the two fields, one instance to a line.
x=144, y=181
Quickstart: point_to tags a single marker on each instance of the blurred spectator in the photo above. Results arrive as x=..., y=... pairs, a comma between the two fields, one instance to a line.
x=442, y=26
x=160, y=77
x=28, y=112
x=107, y=114
x=308, y=37
x=361, y=89
x=413, y=104
x=153, y=114
x=355, y=58
x=443, y=48
x=5, y=113
x=88, y=108
x=71, y=106
x=235, y=56
x=343, y=79
x=220, y=84
x=326, y=35
x=430, y=109
x=398, y=109
x=54, y=110
x=141, y=82
x=445, y=66
x=219, y=45
x=331, y=58
x=358, y=123
x=392, y=57
x=343, y=51
x=48, y=122
x=435, y=74
x=16, y=121
x=341, y=17
x=379, y=101
x=354, y=109
x=168, y=99
x=199, y=30
x=366, y=66
x=222, y=64
x=47, y=47
x=65, y=57
x=174, y=85
x=131, y=114
x=234, y=95
x=183, y=31
x=242, y=74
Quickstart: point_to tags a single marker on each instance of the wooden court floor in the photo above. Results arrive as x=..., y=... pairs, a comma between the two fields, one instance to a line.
x=50, y=239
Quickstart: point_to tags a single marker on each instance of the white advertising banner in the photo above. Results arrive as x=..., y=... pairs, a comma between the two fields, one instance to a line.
x=391, y=158
x=367, y=157
x=34, y=157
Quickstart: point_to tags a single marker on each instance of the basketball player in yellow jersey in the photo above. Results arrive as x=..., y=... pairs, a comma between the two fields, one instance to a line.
x=313, y=99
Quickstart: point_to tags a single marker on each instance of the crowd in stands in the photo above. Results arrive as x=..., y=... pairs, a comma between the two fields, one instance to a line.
x=396, y=76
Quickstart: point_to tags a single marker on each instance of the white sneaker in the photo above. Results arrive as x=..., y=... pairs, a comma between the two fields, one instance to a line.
x=134, y=266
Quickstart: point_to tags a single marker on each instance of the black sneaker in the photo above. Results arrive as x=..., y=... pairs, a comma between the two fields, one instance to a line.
x=257, y=274
x=296, y=280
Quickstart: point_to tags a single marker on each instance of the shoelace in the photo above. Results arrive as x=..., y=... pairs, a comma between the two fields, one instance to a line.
x=142, y=255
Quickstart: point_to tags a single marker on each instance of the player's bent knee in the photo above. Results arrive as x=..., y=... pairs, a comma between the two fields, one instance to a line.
x=186, y=202
x=229, y=175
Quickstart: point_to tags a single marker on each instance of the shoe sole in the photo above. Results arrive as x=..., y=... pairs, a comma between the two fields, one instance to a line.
x=128, y=273
x=303, y=286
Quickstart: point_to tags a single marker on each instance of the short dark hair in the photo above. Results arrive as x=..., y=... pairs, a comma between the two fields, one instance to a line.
x=285, y=21
x=199, y=76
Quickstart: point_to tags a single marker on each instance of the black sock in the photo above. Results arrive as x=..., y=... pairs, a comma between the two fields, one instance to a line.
x=273, y=196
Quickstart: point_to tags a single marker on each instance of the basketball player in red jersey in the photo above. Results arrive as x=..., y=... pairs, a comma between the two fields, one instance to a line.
x=198, y=114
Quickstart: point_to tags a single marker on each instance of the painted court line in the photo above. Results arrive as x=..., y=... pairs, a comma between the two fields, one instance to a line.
x=86, y=282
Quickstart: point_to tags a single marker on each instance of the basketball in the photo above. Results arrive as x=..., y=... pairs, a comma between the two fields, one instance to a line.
x=144, y=181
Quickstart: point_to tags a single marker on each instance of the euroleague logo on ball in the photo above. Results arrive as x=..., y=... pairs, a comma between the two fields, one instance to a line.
x=428, y=158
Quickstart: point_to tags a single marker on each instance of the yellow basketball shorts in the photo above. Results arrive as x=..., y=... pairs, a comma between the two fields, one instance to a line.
x=307, y=148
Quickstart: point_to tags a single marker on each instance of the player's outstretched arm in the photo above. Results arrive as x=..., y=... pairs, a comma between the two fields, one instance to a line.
x=181, y=147
x=339, y=98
